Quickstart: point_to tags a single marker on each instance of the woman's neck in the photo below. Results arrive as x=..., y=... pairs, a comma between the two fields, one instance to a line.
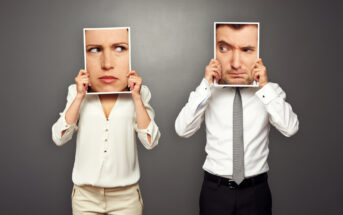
x=107, y=103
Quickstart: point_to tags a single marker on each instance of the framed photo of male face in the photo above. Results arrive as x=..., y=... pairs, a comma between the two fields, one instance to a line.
x=236, y=47
x=107, y=59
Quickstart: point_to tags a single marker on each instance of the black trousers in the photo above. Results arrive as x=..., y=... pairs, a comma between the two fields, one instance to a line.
x=218, y=199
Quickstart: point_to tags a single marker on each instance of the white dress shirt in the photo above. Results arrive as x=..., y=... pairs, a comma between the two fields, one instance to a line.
x=106, y=150
x=261, y=107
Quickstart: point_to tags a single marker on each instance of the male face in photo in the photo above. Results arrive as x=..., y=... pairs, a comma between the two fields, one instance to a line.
x=236, y=51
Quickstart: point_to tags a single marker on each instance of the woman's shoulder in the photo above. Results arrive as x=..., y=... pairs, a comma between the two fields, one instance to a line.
x=72, y=91
x=145, y=93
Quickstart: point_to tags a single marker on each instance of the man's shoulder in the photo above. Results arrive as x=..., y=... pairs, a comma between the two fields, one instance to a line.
x=274, y=85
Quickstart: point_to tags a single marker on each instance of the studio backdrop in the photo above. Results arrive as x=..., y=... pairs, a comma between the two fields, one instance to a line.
x=171, y=43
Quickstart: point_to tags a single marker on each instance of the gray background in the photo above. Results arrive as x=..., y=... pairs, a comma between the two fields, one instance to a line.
x=41, y=53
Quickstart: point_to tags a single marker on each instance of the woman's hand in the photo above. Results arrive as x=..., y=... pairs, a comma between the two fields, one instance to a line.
x=82, y=83
x=135, y=83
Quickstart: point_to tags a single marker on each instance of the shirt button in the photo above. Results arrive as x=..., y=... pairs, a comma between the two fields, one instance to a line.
x=263, y=96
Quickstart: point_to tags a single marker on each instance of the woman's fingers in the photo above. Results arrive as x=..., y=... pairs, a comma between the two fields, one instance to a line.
x=132, y=73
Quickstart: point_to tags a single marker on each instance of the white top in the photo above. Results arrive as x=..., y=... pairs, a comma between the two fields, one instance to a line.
x=261, y=106
x=106, y=150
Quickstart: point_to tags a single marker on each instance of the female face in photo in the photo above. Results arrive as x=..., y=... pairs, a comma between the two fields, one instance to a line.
x=107, y=59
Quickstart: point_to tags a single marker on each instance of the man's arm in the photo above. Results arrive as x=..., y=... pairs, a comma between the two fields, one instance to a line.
x=281, y=115
x=192, y=114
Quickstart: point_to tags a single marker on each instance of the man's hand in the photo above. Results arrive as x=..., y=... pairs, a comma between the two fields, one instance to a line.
x=259, y=73
x=213, y=70
x=135, y=83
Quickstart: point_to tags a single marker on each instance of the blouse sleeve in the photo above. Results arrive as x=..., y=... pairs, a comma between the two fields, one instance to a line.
x=60, y=125
x=152, y=128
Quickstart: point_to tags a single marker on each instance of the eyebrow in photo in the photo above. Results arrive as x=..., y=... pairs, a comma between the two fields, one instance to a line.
x=222, y=42
x=114, y=44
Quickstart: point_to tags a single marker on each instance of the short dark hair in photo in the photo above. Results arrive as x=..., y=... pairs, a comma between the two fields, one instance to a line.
x=234, y=26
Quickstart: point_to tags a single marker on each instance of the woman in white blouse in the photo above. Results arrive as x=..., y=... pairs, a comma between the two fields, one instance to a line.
x=106, y=169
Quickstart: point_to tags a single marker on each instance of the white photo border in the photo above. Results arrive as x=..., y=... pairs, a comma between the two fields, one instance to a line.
x=84, y=55
x=255, y=83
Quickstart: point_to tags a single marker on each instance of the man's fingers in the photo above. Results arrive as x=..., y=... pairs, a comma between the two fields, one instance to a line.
x=214, y=61
x=215, y=65
x=256, y=74
x=259, y=60
x=258, y=63
x=216, y=75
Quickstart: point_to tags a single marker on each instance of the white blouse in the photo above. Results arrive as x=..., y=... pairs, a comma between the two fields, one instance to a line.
x=106, y=150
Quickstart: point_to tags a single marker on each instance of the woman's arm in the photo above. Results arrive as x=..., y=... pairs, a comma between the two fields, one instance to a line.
x=147, y=129
x=65, y=126
x=82, y=83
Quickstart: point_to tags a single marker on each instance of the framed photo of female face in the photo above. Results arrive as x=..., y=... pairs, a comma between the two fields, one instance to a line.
x=107, y=59
x=236, y=47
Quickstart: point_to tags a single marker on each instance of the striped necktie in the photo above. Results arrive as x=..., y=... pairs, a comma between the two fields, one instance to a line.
x=237, y=146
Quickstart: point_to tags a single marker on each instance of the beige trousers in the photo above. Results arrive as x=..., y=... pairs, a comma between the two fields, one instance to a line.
x=90, y=200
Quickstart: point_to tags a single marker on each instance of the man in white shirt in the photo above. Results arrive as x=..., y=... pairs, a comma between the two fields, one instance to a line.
x=237, y=125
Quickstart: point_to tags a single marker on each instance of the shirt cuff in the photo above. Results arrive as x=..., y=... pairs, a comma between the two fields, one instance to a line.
x=266, y=94
x=145, y=131
x=151, y=130
x=65, y=126
x=206, y=86
x=205, y=90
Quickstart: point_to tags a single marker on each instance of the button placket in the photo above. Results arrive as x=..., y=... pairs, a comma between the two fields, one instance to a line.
x=106, y=136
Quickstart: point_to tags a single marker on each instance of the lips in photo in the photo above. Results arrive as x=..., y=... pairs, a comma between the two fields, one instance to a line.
x=108, y=79
x=236, y=74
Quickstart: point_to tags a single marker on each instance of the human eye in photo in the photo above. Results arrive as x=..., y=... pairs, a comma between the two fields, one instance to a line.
x=120, y=48
x=249, y=49
x=94, y=49
x=223, y=47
